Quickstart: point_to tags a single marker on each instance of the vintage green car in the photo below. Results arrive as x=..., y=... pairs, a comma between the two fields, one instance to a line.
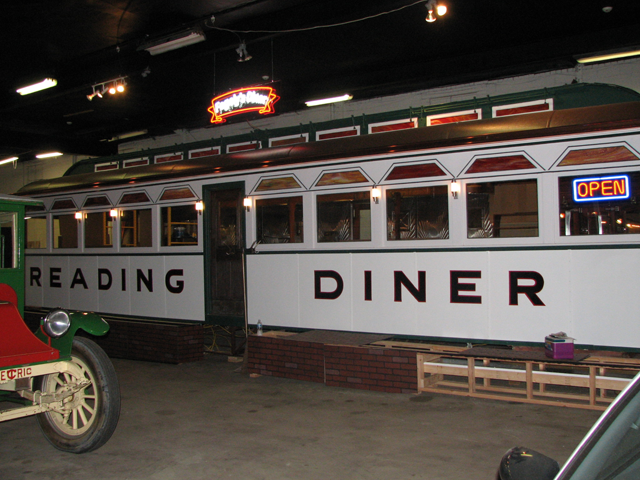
x=65, y=379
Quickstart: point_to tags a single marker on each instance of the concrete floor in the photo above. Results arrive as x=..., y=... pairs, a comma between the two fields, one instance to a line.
x=208, y=420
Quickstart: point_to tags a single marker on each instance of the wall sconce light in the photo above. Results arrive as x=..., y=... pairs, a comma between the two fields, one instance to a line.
x=113, y=213
x=455, y=188
x=376, y=194
x=78, y=215
x=247, y=203
x=199, y=207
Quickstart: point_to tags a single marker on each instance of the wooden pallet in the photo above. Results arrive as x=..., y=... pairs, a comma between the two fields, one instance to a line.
x=580, y=385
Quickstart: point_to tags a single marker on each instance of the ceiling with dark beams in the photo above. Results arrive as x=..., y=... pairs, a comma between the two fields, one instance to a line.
x=81, y=43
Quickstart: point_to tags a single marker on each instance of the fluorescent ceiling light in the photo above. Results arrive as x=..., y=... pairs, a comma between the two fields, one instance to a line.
x=173, y=42
x=122, y=136
x=601, y=57
x=324, y=101
x=36, y=87
x=49, y=155
x=8, y=160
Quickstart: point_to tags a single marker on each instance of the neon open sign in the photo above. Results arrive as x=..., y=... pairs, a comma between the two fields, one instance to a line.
x=613, y=187
x=250, y=99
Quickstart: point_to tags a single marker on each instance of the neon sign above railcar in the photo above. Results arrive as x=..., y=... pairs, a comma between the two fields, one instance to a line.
x=242, y=100
x=611, y=187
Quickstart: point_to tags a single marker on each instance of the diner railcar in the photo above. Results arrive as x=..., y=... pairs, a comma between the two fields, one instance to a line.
x=496, y=230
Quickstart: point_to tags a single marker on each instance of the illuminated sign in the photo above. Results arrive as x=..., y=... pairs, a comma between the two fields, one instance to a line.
x=612, y=187
x=250, y=99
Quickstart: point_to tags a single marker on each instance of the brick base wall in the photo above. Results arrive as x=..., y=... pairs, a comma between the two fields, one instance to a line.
x=382, y=369
x=285, y=358
x=155, y=342
x=149, y=341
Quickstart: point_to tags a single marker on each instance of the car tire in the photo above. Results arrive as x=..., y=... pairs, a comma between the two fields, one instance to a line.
x=90, y=416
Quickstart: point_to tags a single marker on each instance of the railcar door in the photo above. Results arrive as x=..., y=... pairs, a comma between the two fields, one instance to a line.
x=224, y=243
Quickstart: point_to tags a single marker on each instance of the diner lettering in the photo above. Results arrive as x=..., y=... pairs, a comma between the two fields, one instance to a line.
x=329, y=285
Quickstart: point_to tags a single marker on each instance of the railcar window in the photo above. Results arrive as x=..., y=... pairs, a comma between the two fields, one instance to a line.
x=279, y=220
x=418, y=213
x=135, y=228
x=344, y=217
x=8, y=240
x=65, y=231
x=98, y=230
x=179, y=226
x=599, y=204
x=502, y=209
x=36, y=232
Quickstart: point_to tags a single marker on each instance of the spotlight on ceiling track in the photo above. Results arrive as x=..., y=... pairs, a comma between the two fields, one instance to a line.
x=434, y=8
x=36, y=87
x=172, y=42
x=95, y=93
x=242, y=53
x=325, y=101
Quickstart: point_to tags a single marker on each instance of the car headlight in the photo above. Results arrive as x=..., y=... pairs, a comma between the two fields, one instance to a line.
x=56, y=323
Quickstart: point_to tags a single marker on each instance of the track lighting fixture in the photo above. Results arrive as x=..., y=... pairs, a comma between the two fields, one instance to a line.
x=112, y=86
x=242, y=53
x=434, y=8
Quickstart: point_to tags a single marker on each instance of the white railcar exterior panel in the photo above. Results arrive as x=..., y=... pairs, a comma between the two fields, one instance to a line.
x=183, y=286
x=56, y=278
x=83, y=282
x=270, y=276
x=115, y=275
x=33, y=294
x=573, y=296
x=152, y=286
x=325, y=314
x=606, y=293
